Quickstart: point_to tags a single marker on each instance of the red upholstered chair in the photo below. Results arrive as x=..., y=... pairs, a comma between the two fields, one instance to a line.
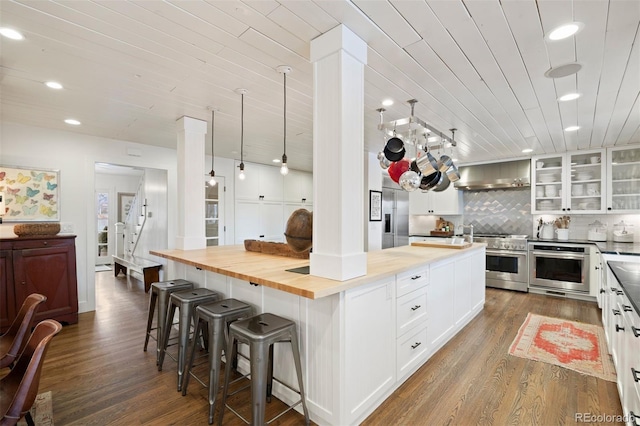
x=14, y=340
x=19, y=388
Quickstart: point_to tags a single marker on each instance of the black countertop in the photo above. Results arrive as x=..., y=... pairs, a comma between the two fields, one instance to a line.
x=628, y=275
x=605, y=247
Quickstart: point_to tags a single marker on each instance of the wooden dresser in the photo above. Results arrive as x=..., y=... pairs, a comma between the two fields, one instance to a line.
x=45, y=265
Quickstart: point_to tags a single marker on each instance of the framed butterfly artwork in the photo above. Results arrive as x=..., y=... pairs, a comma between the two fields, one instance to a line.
x=30, y=195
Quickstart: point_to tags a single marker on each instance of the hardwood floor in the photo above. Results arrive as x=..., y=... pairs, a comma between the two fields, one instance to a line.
x=99, y=374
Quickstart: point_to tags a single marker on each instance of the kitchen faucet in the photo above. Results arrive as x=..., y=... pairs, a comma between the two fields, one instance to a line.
x=462, y=226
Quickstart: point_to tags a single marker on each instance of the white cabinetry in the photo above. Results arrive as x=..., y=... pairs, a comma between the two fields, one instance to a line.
x=623, y=170
x=572, y=182
x=259, y=220
x=369, y=335
x=441, y=294
x=298, y=187
x=448, y=201
x=260, y=183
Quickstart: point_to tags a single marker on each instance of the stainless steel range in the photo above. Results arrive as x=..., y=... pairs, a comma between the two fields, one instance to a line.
x=507, y=265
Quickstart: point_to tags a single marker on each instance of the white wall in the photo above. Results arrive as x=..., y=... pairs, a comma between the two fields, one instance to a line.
x=373, y=233
x=75, y=155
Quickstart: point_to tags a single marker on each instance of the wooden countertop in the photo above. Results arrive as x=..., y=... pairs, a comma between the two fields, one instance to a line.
x=270, y=270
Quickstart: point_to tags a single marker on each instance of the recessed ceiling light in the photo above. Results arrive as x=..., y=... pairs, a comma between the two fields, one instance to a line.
x=454, y=159
x=53, y=85
x=432, y=139
x=571, y=128
x=276, y=160
x=387, y=102
x=11, y=33
x=527, y=150
x=72, y=122
x=569, y=97
x=563, y=70
x=565, y=31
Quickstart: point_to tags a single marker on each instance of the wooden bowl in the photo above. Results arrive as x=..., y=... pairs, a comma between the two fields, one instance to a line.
x=30, y=229
x=299, y=229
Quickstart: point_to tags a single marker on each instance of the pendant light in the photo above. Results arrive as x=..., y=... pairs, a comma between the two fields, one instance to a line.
x=284, y=69
x=212, y=181
x=242, y=92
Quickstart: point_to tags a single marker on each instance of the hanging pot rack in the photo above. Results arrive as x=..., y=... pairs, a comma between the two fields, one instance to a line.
x=411, y=128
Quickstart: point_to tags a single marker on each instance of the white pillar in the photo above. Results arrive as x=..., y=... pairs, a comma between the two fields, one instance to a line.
x=338, y=58
x=191, y=174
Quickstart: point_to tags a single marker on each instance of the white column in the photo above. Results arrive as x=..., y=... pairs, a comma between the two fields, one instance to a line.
x=338, y=58
x=190, y=203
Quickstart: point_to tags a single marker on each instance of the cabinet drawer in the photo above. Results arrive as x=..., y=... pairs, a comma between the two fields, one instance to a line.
x=412, y=350
x=42, y=243
x=411, y=280
x=411, y=310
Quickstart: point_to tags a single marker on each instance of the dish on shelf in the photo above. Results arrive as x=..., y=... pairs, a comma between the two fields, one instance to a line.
x=584, y=175
x=546, y=178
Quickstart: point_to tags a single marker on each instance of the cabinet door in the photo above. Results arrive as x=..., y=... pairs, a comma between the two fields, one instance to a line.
x=419, y=202
x=446, y=202
x=271, y=184
x=249, y=187
x=50, y=271
x=369, y=335
x=298, y=187
x=623, y=189
x=586, y=182
x=247, y=221
x=7, y=298
x=549, y=175
x=260, y=183
x=271, y=224
x=440, y=296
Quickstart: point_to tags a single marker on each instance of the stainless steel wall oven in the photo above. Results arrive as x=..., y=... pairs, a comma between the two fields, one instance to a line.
x=563, y=267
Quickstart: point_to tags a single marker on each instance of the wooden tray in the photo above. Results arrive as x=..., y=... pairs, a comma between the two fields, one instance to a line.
x=441, y=245
x=279, y=249
x=442, y=233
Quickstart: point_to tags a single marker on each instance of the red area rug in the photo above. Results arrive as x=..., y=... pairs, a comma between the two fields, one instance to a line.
x=569, y=344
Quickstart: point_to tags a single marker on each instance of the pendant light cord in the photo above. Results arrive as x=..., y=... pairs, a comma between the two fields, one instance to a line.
x=285, y=114
x=213, y=117
x=242, y=130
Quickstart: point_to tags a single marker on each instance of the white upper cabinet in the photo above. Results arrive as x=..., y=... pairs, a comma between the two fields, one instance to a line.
x=448, y=201
x=623, y=189
x=260, y=183
x=573, y=182
x=298, y=187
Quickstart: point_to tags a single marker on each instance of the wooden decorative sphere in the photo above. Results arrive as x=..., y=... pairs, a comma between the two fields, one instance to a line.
x=299, y=229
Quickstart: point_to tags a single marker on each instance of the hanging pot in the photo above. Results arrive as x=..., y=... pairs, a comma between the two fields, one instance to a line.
x=444, y=184
x=453, y=174
x=427, y=164
x=409, y=181
x=429, y=182
x=384, y=162
x=394, y=149
x=396, y=169
x=444, y=163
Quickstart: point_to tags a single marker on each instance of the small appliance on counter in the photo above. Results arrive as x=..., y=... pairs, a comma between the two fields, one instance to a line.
x=597, y=231
x=623, y=232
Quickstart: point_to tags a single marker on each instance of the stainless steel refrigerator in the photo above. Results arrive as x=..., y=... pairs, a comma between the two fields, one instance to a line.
x=395, y=217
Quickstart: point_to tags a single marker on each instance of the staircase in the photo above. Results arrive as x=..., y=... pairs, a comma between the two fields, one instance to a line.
x=133, y=228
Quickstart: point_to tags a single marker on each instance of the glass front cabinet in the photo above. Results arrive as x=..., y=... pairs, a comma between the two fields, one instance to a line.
x=572, y=182
x=623, y=189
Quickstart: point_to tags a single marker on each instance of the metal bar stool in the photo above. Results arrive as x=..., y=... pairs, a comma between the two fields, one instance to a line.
x=186, y=301
x=218, y=316
x=160, y=293
x=260, y=332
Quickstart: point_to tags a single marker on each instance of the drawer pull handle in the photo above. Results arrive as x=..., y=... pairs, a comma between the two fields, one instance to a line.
x=619, y=292
x=613, y=289
x=415, y=308
x=636, y=375
x=618, y=328
x=602, y=290
x=636, y=331
x=616, y=312
x=634, y=417
x=415, y=277
x=626, y=308
x=416, y=345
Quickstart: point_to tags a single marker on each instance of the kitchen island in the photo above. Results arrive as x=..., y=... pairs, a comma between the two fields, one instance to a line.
x=361, y=338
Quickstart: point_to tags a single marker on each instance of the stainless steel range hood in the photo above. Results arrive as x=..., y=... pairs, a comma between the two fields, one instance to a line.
x=506, y=175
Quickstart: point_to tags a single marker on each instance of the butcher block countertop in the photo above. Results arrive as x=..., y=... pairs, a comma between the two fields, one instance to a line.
x=270, y=270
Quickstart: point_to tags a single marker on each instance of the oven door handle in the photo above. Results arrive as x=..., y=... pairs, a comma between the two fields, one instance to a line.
x=560, y=254
x=507, y=252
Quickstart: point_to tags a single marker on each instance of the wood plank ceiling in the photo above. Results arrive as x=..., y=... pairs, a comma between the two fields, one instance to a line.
x=130, y=69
